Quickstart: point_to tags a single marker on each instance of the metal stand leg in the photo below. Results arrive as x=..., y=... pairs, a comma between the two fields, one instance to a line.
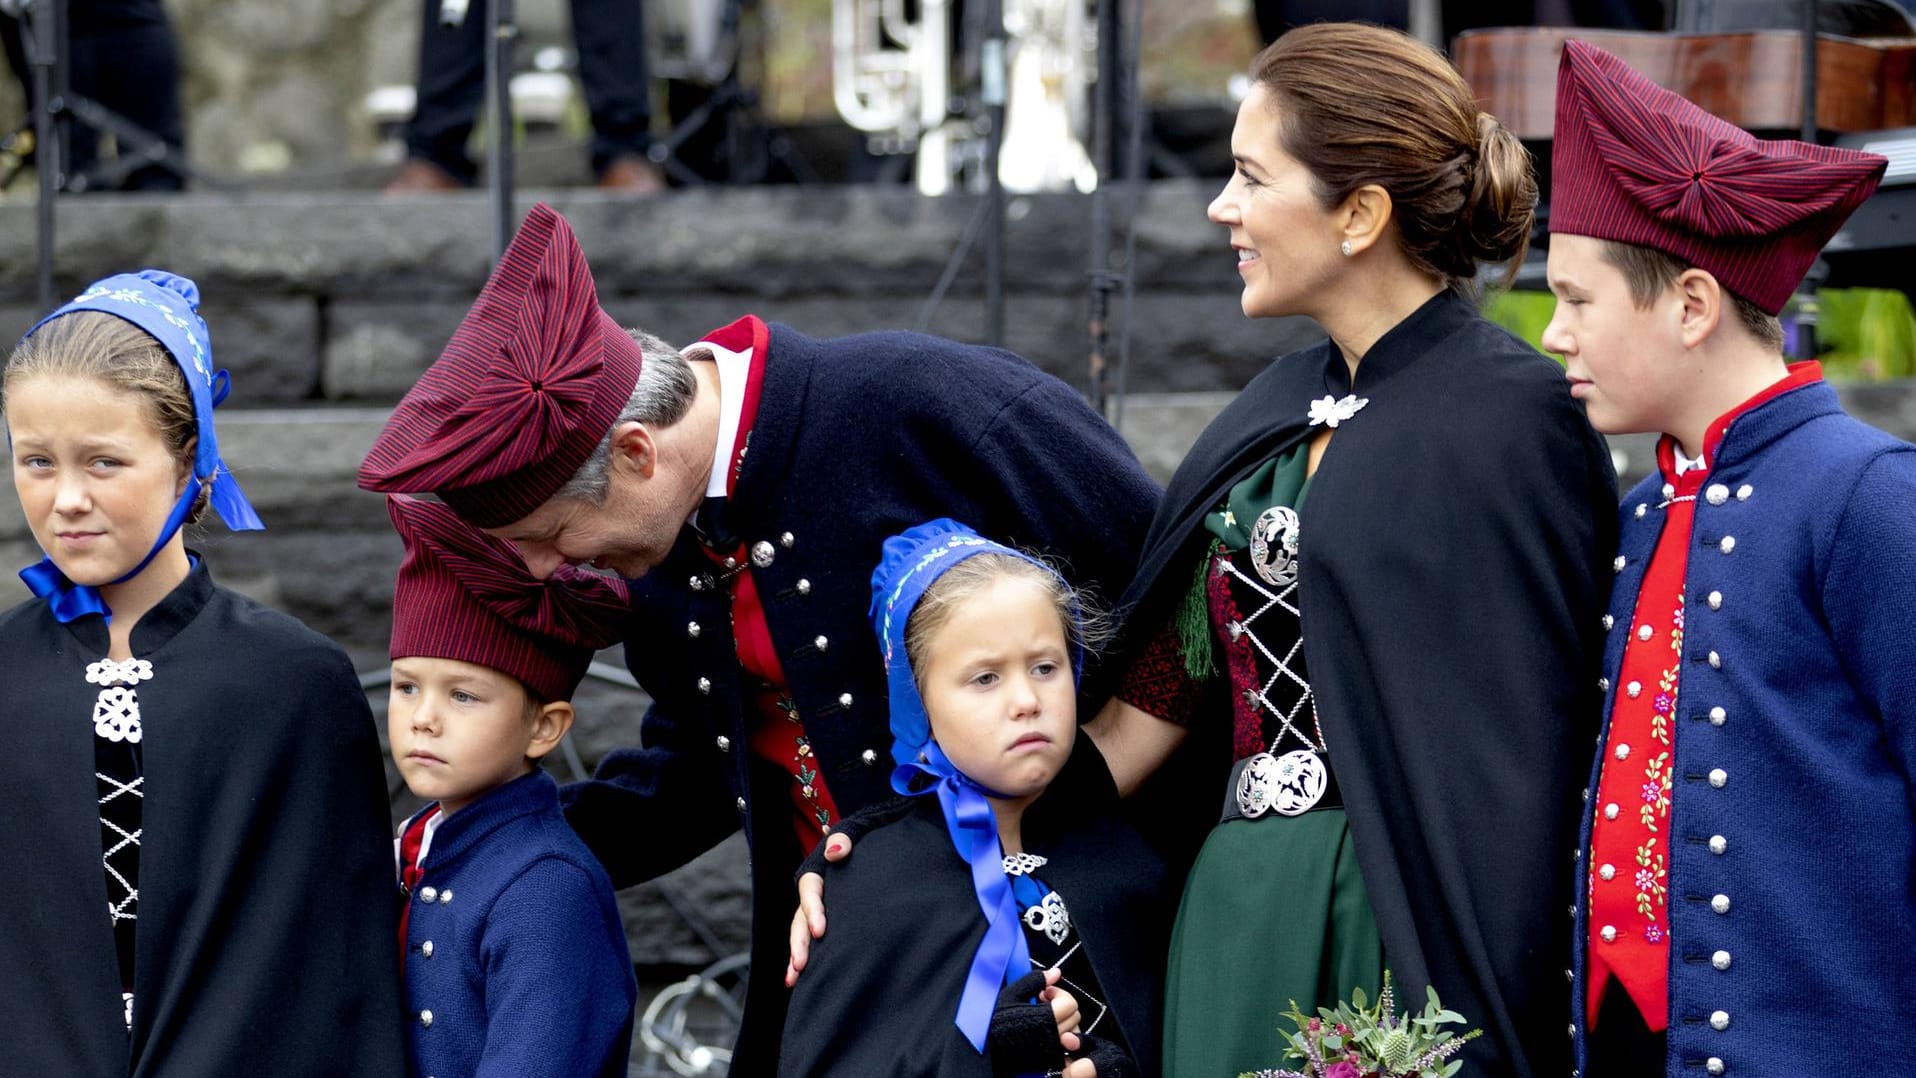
x=500, y=32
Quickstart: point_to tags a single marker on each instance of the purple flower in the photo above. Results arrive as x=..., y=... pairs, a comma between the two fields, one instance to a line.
x=1645, y=879
x=1652, y=791
x=1654, y=933
x=1343, y=1068
x=1663, y=702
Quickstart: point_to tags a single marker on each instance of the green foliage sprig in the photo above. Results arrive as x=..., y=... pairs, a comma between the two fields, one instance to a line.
x=1360, y=1039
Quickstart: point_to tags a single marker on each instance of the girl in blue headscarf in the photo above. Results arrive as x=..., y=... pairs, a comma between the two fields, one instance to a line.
x=200, y=876
x=978, y=933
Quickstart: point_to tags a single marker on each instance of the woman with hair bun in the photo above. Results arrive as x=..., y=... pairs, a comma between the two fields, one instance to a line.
x=1367, y=618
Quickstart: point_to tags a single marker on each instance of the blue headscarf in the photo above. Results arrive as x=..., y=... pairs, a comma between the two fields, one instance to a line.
x=166, y=306
x=912, y=561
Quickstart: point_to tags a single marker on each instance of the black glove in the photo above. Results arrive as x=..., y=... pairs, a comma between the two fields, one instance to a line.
x=1023, y=1038
x=854, y=827
x=1108, y=1056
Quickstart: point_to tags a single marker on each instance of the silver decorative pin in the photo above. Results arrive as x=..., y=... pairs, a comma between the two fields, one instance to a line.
x=1331, y=411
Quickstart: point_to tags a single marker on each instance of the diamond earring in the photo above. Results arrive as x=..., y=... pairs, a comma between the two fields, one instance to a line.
x=1345, y=247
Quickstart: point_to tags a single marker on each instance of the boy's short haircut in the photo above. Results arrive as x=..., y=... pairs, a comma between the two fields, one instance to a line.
x=1649, y=271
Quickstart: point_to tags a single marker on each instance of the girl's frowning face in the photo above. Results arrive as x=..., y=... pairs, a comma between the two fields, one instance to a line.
x=999, y=690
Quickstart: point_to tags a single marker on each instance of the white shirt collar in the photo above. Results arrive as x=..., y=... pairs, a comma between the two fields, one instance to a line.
x=425, y=840
x=1684, y=464
x=734, y=370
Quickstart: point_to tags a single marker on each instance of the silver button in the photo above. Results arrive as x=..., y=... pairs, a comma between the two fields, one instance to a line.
x=724, y=743
x=763, y=553
x=1718, y=844
x=1716, y=494
x=1570, y=975
x=1719, y=1020
x=697, y=583
x=1610, y=811
x=1727, y=544
x=1619, y=563
x=1608, y=621
x=1720, y=903
x=1623, y=751
x=705, y=685
x=1715, y=661
x=426, y=948
x=1719, y=777
x=1635, y=689
x=1718, y=716
x=804, y=586
x=1715, y=599
x=1645, y=633
x=1609, y=933
x=1586, y=795
x=1669, y=490
x=692, y=629
x=1608, y=872
x=1713, y=1065
x=731, y=562
x=1573, y=1029
x=820, y=642
x=869, y=757
x=1642, y=511
x=844, y=699
x=1721, y=960
x=1603, y=684
x=741, y=805
x=428, y=894
x=785, y=540
x=445, y=896
x=1743, y=492
x=425, y=1019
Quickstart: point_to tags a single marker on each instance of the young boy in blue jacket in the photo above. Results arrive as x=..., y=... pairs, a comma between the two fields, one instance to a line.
x=514, y=955
x=1749, y=845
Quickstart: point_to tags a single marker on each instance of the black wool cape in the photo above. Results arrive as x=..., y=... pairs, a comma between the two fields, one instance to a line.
x=267, y=934
x=879, y=995
x=1455, y=554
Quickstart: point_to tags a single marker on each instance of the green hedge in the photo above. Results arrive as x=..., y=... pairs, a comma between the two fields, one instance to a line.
x=1866, y=334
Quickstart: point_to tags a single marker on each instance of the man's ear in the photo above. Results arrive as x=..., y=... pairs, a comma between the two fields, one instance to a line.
x=1702, y=306
x=633, y=448
x=549, y=727
x=1363, y=216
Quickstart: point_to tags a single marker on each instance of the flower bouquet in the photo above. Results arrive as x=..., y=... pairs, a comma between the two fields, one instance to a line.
x=1365, y=1040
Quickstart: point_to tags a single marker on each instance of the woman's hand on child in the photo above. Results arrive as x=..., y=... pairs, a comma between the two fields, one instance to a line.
x=808, y=921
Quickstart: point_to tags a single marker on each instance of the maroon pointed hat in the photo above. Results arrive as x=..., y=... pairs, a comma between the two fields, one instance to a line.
x=1635, y=163
x=528, y=386
x=465, y=595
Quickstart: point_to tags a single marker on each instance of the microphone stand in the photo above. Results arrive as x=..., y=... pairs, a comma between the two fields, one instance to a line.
x=501, y=31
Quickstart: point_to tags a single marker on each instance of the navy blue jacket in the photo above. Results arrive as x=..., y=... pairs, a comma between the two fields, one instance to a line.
x=516, y=965
x=855, y=440
x=1793, y=817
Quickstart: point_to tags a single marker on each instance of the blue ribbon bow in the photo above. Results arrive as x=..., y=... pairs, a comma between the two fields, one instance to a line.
x=166, y=306
x=912, y=561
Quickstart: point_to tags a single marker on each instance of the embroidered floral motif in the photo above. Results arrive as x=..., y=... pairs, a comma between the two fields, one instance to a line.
x=802, y=770
x=1023, y=864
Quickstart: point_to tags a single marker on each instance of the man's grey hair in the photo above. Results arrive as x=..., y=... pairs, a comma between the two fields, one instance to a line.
x=660, y=398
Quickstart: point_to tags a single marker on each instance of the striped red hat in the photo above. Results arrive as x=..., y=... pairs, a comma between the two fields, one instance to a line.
x=528, y=386
x=464, y=595
x=1635, y=163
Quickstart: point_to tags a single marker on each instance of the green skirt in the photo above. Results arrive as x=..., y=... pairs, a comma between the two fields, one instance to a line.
x=1274, y=910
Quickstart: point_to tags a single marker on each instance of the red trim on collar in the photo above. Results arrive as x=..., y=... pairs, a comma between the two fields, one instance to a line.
x=749, y=332
x=1801, y=374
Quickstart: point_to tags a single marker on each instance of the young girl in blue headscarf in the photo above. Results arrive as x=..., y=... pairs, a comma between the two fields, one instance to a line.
x=976, y=933
x=200, y=875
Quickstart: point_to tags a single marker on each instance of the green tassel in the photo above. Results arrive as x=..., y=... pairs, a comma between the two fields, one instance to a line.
x=1194, y=623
